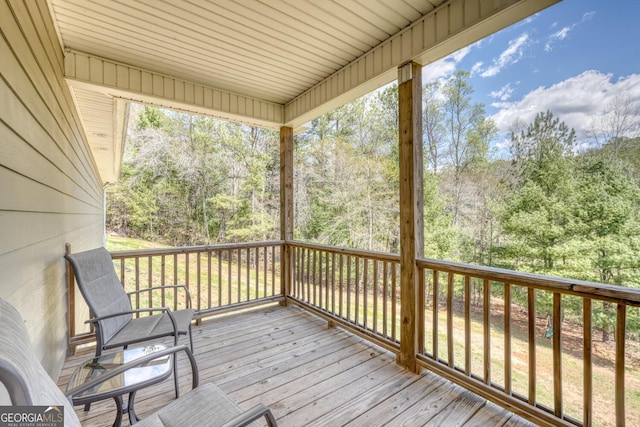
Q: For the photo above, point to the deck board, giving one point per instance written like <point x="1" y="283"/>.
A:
<point x="308" y="374"/>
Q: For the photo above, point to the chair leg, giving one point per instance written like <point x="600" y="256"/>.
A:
<point x="87" y="406"/>
<point x="191" y="338"/>
<point x="175" y="374"/>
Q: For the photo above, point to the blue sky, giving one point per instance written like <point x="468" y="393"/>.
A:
<point x="573" y="58"/>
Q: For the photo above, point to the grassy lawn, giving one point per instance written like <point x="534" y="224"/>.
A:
<point x="229" y="282"/>
<point x="119" y="243"/>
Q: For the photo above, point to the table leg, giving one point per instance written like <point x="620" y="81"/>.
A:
<point x="119" y="407"/>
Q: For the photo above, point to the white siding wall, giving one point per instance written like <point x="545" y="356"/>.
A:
<point x="50" y="191"/>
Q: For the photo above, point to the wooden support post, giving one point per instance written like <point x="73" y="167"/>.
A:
<point x="411" y="209"/>
<point x="286" y="207"/>
<point x="71" y="299"/>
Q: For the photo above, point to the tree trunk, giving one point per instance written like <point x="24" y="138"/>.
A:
<point x="205" y="219"/>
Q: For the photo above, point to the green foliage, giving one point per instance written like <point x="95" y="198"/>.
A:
<point x="150" y="117"/>
<point x="538" y="215"/>
<point x="439" y="237"/>
<point x="542" y="153"/>
<point x="570" y="216"/>
<point x="346" y="183"/>
<point x="191" y="180"/>
<point x="548" y="209"/>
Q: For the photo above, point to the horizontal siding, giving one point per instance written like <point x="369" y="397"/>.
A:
<point x="50" y="191"/>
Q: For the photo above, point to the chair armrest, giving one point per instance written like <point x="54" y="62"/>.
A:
<point x="189" y="304"/>
<point x="137" y="362"/>
<point x="14" y="382"/>
<point x="143" y="310"/>
<point x="251" y="415"/>
<point x="122" y="313"/>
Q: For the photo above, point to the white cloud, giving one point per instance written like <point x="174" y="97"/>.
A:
<point x="556" y="37"/>
<point x="445" y="67"/>
<point x="562" y="34"/>
<point x="564" y="31"/>
<point x="476" y="67"/>
<point x="438" y="70"/>
<point x="511" y="55"/>
<point x="578" y="101"/>
<point x="503" y="94"/>
<point x="502" y="146"/>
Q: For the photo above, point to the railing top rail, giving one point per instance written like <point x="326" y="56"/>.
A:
<point x="613" y="293"/>
<point x="382" y="256"/>
<point x="602" y="291"/>
<point x="192" y="249"/>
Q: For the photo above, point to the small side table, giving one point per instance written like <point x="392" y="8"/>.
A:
<point x="129" y="382"/>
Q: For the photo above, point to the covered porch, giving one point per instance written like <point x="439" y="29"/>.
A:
<point x="69" y="70"/>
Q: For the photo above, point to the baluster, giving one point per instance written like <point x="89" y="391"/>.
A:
<point x="507" y="338"/>
<point x="486" y="323"/>
<point x="467" y="325"/>
<point x="621" y="324"/>
<point x="209" y="278"/>
<point x="531" y="307"/>
<point x="434" y="325"/>
<point x="557" y="354"/>
<point x="587" y="362"/>
<point x="163" y="280"/>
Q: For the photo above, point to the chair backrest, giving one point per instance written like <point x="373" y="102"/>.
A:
<point x="101" y="289"/>
<point x="20" y="370"/>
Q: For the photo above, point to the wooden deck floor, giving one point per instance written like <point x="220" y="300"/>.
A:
<point x="309" y="374"/>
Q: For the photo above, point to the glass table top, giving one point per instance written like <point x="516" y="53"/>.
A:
<point x="134" y="378"/>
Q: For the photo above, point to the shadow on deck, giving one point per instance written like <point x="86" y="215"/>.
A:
<point x="308" y="374"/>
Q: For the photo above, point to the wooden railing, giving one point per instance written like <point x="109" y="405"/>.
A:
<point x="484" y="330"/>
<point x="219" y="278"/>
<point x="504" y="335"/>
<point x="498" y="333"/>
<point x="359" y="290"/>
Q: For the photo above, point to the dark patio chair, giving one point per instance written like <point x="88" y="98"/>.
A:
<point x="28" y="384"/>
<point x="114" y="320"/>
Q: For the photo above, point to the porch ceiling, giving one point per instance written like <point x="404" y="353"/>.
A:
<point x="272" y="49"/>
<point x="265" y="62"/>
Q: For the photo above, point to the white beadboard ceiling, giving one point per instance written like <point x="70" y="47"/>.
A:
<point x="262" y="62"/>
<point x="268" y="49"/>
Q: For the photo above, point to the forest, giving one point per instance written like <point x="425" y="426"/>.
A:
<point x="556" y="203"/>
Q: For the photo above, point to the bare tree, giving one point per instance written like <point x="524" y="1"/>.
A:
<point x="433" y="128"/>
<point x="468" y="133"/>
<point x="619" y="122"/>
